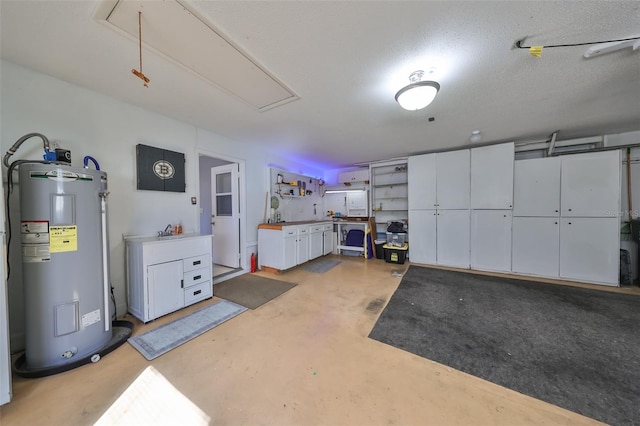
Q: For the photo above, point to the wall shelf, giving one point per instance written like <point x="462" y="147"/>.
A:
<point x="389" y="195"/>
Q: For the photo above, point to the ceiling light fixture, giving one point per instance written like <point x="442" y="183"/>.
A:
<point x="417" y="94"/>
<point x="475" y="136"/>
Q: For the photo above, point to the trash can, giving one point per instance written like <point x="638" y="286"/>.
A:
<point x="380" y="248"/>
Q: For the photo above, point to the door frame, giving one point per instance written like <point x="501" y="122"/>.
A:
<point x="242" y="200"/>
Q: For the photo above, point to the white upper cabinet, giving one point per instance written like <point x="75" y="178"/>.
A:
<point x="492" y="176"/>
<point x="453" y="179"/>
<point x="537" y="187"/>
<point x="354" y="176"/>
<point x="590" y="185"/>
<point x="422" y="182"/>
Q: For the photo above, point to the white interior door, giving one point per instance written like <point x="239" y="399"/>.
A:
<point x="225" y="215"/>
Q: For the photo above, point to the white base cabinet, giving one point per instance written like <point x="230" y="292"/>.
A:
<point x="452" y="238"/>
<point x="167" y="274"/>
<point x="290" y="245"/>
<point x="327" y="238"/>
<point x="491" y="240"/>
<point x="316" y="241"/>
<point x="422" y="234"/>
<point x="535" y="246"/>
<point x="590" y="249"/>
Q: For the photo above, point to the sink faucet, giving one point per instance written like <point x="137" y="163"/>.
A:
<point x="167" y="231"/>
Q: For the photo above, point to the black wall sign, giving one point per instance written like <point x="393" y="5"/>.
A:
<point x="160" y="169"/>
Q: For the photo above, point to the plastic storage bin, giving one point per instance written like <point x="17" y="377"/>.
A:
<point x="396" y="239"/>
<point x="395" y="254"/>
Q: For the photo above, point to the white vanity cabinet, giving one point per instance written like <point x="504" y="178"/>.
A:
<point x="167" y="274"/>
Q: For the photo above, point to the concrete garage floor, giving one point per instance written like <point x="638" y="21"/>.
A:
<point x="301" y="359"/>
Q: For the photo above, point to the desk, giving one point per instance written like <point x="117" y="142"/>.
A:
<point x="350" y="223"/>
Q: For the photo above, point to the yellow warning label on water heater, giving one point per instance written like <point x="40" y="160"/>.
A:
<point x="63" y="238"/>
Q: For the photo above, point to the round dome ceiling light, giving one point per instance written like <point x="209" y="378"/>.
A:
<point x="417" y="94"/>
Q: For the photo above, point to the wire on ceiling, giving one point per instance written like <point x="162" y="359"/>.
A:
<point x="537" y="50"/>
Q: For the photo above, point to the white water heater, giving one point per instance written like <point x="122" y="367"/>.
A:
<point x="64" y="263"/>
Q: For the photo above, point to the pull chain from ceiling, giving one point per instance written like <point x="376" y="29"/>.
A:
<point x="137" y="73"/>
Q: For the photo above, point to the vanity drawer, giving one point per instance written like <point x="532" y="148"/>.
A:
<point x="196" y="262"/>
<point x="196" y="277"/>
<point x="197" y="293"/>
<point x="316" y="228"/>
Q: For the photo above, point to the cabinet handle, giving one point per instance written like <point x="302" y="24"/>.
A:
<point x="556" y="211"/>
<point x="195" y="293"/>
<point x="197" y="277"/>
<point x="181" y="283"/>
<point x="569" y="209"/>
<point x="556" y="223"/>
<point x="197" y="262"/>
<point x="569" y="223"/>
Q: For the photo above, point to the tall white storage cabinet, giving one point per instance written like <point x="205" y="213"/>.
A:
<point x="568" y="204"/>
<point x="439" y="220"/>
<point x="491" y="207"/>
<point x="536" y="221"/>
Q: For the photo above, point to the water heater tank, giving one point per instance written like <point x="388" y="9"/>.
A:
<point x="64" y="263"/>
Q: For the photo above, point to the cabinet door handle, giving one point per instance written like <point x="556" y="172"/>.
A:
<point x="181" y="283"/>
<point x="195" y="293"/>
<point x="197" y="262"/>
<point x="197" y="277"/>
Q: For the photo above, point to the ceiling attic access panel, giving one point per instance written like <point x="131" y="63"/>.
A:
<point x="172" y="30"/>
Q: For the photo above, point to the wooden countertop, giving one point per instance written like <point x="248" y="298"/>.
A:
<point x="278" y="226"/>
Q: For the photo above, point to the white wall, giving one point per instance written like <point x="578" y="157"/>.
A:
<point x="89" y="123"/>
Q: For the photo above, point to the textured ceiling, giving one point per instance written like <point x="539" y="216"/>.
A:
<point x="347" y="59"/>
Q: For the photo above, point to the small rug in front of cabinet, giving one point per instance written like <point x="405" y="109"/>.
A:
<point x="161" y="340"/>
<point x="251" y="290"/>
<point x="321" y="266"/>
<point x="577" y="348"/>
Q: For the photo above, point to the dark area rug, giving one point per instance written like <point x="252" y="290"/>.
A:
<point x="573" y="347"/>
<point x="251" y="290"/>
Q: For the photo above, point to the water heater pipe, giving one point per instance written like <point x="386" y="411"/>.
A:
<point x="105" y="261"/>
<point x="19" y="142"/>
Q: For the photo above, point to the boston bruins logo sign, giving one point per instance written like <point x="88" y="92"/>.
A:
<point x="160" y="169"/>
<point x="164" y="169"/>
